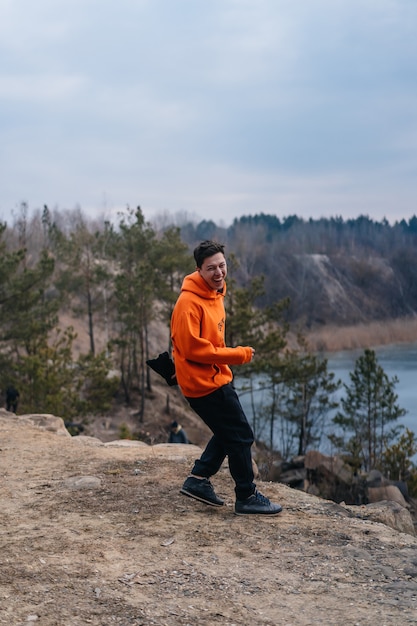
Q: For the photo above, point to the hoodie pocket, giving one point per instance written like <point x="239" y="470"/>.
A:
<point x="217" y="371"/>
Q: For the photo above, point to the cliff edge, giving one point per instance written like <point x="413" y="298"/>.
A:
<point x="98" y="533"/>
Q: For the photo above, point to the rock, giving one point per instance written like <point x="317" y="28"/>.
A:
<point x="375" y="478"/>
<point x="328" y="465"/>
<point x="386" y="492"/>
<point x="294" y="478"/>
<point x="386" y="512"/>
<point x="330" y="477"/>
<point x="48" y="422"/>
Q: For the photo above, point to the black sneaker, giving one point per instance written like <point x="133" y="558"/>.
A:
<point x="201" y="489"/>
<point x="257" y="504"/>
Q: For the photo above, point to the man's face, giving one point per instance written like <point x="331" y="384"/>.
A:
<point x="214" y="271"/>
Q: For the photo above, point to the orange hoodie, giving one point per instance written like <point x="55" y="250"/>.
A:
<point x="197" y="329"/>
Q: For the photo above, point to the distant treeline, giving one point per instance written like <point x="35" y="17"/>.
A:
<point x="333" y="270"/>
<point x="117" y="279"/>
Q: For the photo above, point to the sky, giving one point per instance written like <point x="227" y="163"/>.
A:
<point x="209" y="109"/>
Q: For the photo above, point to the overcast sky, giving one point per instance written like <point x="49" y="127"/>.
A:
<point x="215" y="108"/>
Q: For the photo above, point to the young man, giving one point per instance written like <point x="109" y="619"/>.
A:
<point x="202" y="369"/>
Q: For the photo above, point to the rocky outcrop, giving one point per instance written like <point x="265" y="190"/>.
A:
<point x="45" y="421"/>
<point x="100" y="534"/>
<point x="369" y="496"/>
<point x="386" y="512"/>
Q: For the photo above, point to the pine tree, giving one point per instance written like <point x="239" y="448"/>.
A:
<point x="308" y="395"/>
<point x="370" y="405"/>
<point x="83" y="271"/>
<point x="171" y="262"/>
<point x="134" y="251"/>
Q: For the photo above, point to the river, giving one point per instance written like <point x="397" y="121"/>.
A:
<point x="398" y="360"/>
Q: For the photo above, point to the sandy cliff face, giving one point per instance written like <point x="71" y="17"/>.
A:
<point x="339" y="289"/>
<point x="95" y="533"/>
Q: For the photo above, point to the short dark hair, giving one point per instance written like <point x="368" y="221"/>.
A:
<point x="205" y="249"/>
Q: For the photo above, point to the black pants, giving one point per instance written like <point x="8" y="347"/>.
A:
<point x="232" y="437"/>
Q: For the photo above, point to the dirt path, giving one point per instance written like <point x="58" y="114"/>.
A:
<point x="128" y="549"/>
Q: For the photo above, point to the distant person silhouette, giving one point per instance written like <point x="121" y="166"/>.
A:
<point x="177" y="434"/>
<point x="12" y="398"/>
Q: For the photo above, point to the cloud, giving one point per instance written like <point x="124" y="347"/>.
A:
<point x="37" y="89"/>
<point x="220" y="106"/>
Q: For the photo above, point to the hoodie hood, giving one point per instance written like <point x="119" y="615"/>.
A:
<point x="197" y="285"/>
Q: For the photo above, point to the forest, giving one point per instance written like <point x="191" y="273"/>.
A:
<point x="333" y="271"/>
<point x="120" y="278"/>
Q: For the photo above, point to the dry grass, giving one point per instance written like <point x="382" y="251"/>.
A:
<point x="333" y="338"/>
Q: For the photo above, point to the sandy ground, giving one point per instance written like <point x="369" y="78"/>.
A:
<point x="99" y="534"/>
